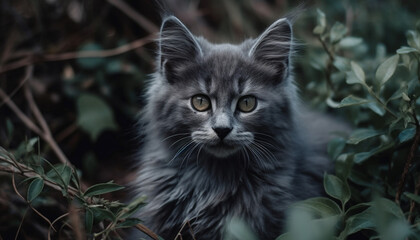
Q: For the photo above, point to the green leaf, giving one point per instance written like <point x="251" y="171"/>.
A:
<point x="284" y="236"/>
<point x="360" y="221"/>
<point x="405" y="50"/>
<point x="30" y="145"/>
<point x="414" y="197"/>
<point x="102" y="188"/>
<point x="344" y="165"/>
<point x="321" y="23"/>
<point x="133" y="207"/>
<point x="237" y="229"/>
<point x="387" y="69"/>
<point x="358" y="71"/>
<point x="94" y="115"/>
<point x="362" y="134"/>
<point x="100" y="214"/>
<point x="90" y="63"/>
<point x="413" y="39"/>
<point x="89" y="220"/>
<point x="336" y="188"/>
<point x="406" y="135"/>
<point x="35" y="188"/>
<point x="376" y="108"/>
<point x="127" y="223"/>
<point x="388" y="206"/>
<point x="320" y="206"/>
<point x="10" y="129"/>
<point x="335" y="147"/>
<point x="352" y="101"/>
<point x="337" y="32"/>
<point x="342" y="64"/>
<point x="349" y="42"/>
<point x="363" y="156"/>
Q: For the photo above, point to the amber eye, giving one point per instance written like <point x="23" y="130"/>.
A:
<point x="247" y="103"/>
<point x="200" y="102"/>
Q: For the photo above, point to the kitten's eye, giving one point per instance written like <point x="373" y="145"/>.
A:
<point x="247" y="103"/>
<point x="200" y="102"/>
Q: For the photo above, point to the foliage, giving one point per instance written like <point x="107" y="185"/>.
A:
<point x="377" y="160"/>
<point x="101" y="217"/>
<point x="74" y="71"/>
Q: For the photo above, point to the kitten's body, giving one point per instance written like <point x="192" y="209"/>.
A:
<point x="190" y="173"/>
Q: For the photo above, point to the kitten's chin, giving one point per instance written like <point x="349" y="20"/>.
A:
<point x="221" y="150"/>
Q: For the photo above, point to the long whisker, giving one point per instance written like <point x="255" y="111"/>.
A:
<point x="198" y="154"/>
<point x="174" y="135"/>
<point x="177" y="141"/>
<point x="265" y="151"/>
<point x="190" y="151"/>
<point x="181" y="150"/>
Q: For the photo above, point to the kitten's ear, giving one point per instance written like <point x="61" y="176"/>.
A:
<point x="176" y="45"/>
<point x="274" y="45"/>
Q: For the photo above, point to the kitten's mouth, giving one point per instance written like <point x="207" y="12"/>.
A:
<point x="221" y="149"/>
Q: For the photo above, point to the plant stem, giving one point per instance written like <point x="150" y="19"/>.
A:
<point x="409" y="160"/>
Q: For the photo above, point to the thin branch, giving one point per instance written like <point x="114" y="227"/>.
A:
<point x="20" y="224"/>
<point x="410" y="218"/>
<point x="28" y="74"/>
<point x="35" y="110"/>
<point x="35" y="59"/>
<point x="147" y="231"/>
<point x="60" y="217"/>
<point x="45" y="133"/>
<point x="28" y="122"/>
<point x="137" y="17"/>
<point x="409" y="160"/>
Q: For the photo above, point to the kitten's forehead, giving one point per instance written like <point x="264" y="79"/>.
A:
<point x="225" y="63"/>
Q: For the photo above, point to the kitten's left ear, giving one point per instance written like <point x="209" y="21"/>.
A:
<point x="274" y="45"/>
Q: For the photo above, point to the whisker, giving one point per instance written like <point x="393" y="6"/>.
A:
<point x="198" y="154"/>
<point x="177" y="141"/>
<point x="181" y="150"/>
<point x="174" y="135"/>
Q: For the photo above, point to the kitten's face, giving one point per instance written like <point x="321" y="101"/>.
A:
<point x="221" y="96"/>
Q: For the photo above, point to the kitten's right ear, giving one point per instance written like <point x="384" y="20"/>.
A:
<point x="176" y="45"/>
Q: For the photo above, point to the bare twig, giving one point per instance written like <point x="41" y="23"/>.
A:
<point x="47" y="136"/>
<point x="56" y="220"/>
<point x="34" y="59"/>
<point x="45" y="133"/>
<point x="410" y="218"/>
<point x="147" y="231"/>
<point x="28" y="74"/>
<point x="409" y="160"/>
<point x="137" y="17"/>
<point x="191" y="230"/>
<point x="28" y="122"/>
<point x="20" y="224"/>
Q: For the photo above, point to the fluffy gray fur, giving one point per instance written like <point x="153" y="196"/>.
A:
<point x="272" y="157"/>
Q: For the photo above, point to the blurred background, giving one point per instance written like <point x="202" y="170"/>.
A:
<point x="85" y="65"/>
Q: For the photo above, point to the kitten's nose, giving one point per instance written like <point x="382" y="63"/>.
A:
<point x="222" y="132"/>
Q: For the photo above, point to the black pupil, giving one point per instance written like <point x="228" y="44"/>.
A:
<point x="246" y="101"/>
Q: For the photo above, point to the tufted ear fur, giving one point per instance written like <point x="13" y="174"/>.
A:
<point x="176" y="46"/>
<point x="274" y="46"/>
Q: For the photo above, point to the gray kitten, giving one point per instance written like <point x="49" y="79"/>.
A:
<point x="224" y="135"/>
